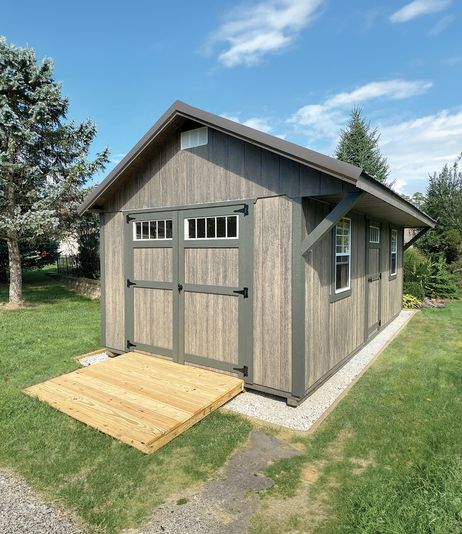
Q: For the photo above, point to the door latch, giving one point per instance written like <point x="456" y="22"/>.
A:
<point x="244" y="292"/>
<point x="244" y="370"/>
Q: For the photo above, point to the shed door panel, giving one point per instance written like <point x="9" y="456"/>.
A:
<point x="153" y="317"/>
<point x="373" y="280"/>
<point x="215" y="298"/>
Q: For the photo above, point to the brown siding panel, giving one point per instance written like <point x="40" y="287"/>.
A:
<point x="272" y="293"/>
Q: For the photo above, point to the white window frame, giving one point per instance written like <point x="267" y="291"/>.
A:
<point x="375" y="241"/>
<point x="186" y="228"/>
<point x="394" y="232"/>
<point x="337" y="254"/>
<point x="194" y="138"/>
<point x="157" y="221"/>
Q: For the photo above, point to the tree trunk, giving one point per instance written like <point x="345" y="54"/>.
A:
<point x="14" y="260"/>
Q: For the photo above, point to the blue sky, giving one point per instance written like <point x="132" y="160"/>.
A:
<point x="293" y="68"/>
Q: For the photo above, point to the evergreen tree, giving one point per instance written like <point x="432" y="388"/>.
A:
<point x="358" y="145"/>
<point x="44" y="161"/>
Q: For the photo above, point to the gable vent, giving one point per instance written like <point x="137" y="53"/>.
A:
<point x="193" y="138"/>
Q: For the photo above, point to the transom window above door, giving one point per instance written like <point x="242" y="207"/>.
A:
<point x="152" y="230"/>
<point x="220" y="227"/>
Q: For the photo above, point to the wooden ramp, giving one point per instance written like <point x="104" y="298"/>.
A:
<point x="141" y="400"/>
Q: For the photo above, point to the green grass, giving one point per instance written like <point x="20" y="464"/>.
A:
<point x="106" y="483"/>
<point x="389" y="458"/>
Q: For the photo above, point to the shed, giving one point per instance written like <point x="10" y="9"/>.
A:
<point x="228" y="248"/>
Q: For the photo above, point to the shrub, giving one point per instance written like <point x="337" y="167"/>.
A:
<point x="415" y="289"/>
<point x="410" y="302"/>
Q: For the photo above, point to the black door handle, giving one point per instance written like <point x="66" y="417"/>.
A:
<point x="180" y="288"/>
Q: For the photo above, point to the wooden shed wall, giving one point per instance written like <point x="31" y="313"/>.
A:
<point x="272" y="343"/>
<point x="114" y="283"/>
<point x="332" y="329"/>
<point x="224" y="169"/>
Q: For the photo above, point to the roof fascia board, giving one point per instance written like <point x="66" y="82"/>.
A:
<point x="378" y="190"/>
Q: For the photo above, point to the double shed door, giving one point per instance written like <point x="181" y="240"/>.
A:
<point x="188" y="278"/>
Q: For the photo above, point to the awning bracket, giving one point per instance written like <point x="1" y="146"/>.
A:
<point x="417" y="236"/>
<point x="340" y="210"/>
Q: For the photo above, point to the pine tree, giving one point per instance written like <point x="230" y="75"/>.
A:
<point x="358" y="145"/>
<point x="44" y="160"/>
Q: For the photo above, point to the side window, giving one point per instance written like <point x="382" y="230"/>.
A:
<point x="393" y="251"/>
<point x="152" y="230"/>
<point x="374" y="234"/>
<point x="342" y="246"/>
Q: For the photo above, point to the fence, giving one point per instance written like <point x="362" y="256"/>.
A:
<point x="72" y="266"/>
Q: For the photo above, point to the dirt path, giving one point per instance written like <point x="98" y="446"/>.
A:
<point x="223" y="506"/>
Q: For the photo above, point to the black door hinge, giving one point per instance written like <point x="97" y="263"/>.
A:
<point x="244" y="370"/>
<point x="129" y="218"/>
<point x="130" y="283"/>
<point x="244" y="210"/>
<point x="244" y="292"/>
<point x="380" y="322"/>
<point x="130" y="344"/>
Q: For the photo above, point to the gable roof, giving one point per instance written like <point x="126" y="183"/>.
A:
<point x="334" y="167"/>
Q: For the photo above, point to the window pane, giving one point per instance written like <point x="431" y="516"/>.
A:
<point x="200" y="228"/>
<point x="211" y="227"/>
<point x="137" y="230"/>
<point x="232" y="226"/>
<point x="342" y="276"/>
<point x="221" y="227"/>
<point x="168" y="228"/>
<point x="152" y="230"/>
<point x="145" y="232"/>
<point x="191" y="228"/>
<point x="160" y="229"/>
<point x="393" y="263"/>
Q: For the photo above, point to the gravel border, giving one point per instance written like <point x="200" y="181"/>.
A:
<point x="275" y="411"/>
<point x="23" y="512"/>
<point x="94" y="358"/>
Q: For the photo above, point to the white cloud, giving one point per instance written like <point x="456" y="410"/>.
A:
<point x="251" y="32"/>
<point x="326" y="119"/>
<point x="441" y="25"/>
<point x="417" y="8"/>
<point x="258" y="123"/>
<point x="418" y="147"/>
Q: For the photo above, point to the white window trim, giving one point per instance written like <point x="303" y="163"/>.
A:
<point x="378" y="233"/>
<point x="395" y="252"/>
<point x="186" y="228"/>
<point x="149" y="223"/>
<point x="347" y="288"/>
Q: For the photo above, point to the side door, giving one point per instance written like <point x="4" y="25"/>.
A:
<point x="215" y="288"/>
<point x="151" y="270"/>
<point x="373" y="276"/>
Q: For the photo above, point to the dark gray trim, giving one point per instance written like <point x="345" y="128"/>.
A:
<point x="102" y="263"/>
<point x="161" y="351"/>
<point x="182" y="207"/>
<point x="210" y="362"/>
<point x="298" y="300"/>
<point x="269" y="391"/>
<point x="331" y="219"/>
<point x="418" y="235"/>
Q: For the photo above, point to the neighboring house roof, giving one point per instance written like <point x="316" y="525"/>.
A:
<point x="334" y="167"/>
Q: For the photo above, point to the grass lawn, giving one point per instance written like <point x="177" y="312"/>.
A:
<point x="389" y="457"/>
<point x="108" y="484"/>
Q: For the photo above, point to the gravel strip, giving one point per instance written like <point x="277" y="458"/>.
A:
<point x="21" y="511"/>
<point x="276" y="411"/>
<point x="94" y="358"/>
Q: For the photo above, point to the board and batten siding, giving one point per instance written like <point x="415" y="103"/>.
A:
<point x="272" y="343"/>
<point x="114" y="282"/>
<point x="225" y="169"/>
<point x="333" y="330"/>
